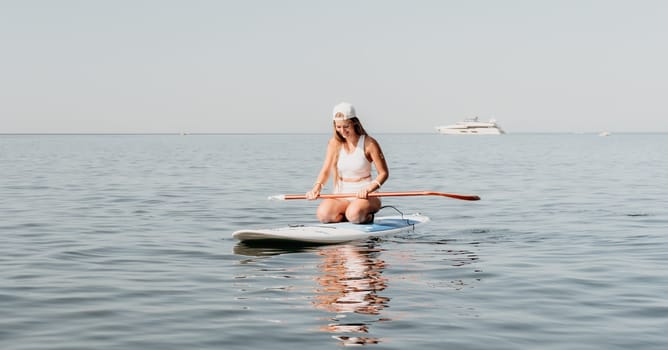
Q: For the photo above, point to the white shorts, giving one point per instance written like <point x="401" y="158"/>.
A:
<point x="351" y="187"/>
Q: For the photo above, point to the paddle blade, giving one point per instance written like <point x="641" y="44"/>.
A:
<point x="278" y="197"/>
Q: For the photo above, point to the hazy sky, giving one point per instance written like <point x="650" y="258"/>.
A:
<point x="280" y="66"/>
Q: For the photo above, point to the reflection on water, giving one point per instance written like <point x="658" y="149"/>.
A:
<point x="349" y="282"/>
<point x="269" y="249"/>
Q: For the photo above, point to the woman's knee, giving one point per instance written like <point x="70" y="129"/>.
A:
<point x="329" y="212"/>
<point x="358" y="215"/>
<point x="361" y="218"/>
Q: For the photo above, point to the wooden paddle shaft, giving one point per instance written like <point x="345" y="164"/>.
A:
<point x="383" y="194"/>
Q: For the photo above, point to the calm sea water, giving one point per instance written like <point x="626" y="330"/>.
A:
<point x="123" y="242"/>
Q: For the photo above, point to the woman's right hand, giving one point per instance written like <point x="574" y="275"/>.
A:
<point x="314" y="193"/>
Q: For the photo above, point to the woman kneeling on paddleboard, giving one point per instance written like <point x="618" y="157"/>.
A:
<point x="350" y="153"/>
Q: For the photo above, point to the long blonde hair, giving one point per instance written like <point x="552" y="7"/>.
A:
<point x="359" y="130"/>
<point x="357" y="126"/>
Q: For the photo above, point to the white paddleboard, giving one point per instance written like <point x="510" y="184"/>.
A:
<point x="335" y="233"/>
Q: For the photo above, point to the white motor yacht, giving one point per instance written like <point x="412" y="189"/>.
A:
<point x="471" y="126"/>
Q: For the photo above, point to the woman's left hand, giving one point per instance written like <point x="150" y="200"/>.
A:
<point x="363" y="194"/>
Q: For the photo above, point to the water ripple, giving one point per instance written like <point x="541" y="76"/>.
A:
<point x="123" y="242"/>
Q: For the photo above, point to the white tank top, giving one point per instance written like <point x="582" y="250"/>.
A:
<point x="354" y="165"/>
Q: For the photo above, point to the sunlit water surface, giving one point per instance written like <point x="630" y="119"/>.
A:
<point x="124" y="242"/>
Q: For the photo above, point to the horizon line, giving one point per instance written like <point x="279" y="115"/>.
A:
<point x="309" y="133"/>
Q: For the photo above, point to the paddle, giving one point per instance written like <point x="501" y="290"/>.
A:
<point x="380" y="194"/>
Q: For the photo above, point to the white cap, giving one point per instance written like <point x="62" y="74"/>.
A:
<point x="344" y="111"/>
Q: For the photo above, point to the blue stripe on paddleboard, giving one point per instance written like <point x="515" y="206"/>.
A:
<point x="382" y="225"/>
